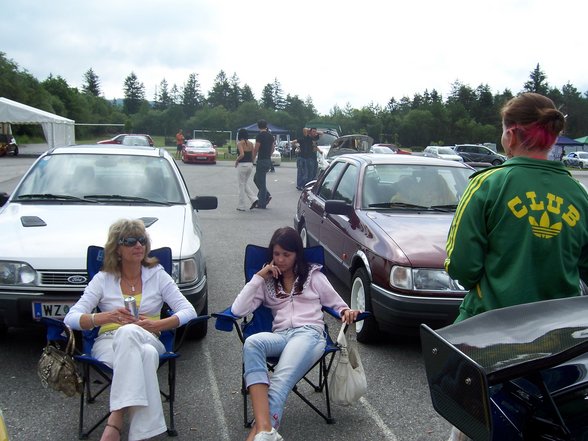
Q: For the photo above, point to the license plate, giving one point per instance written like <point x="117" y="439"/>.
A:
<point x="201" y="158"/>
<point x="56" y="310"/>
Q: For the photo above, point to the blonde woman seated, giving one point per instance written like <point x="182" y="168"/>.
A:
<point x="130" y="346"/>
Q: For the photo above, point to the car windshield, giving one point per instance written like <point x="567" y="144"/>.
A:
<point x="101" y="178"/>
<point x="135" y="140"/>
<point x="199" y="144"/>
<point x="404" y="186"/>
<point x="446" y="151"/>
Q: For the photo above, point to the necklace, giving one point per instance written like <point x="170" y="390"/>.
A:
<point x="132" y="284"/>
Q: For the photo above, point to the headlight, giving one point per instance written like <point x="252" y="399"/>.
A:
<point x="422" y="279"/>
<point x="17" y="273"/>
<point x="186" y="271"/>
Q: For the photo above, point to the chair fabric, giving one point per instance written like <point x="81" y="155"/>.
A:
<point x="96" y="375"/>
<point x="261" y="321"/>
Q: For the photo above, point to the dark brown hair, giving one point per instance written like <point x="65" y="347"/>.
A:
<point x="536" y="121"/>
<point x="289" y="239"/>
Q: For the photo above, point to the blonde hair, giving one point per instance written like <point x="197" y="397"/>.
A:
<point x="119" y="230"/>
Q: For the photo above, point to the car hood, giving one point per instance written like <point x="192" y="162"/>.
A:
<point x="420" y="236"/>
<point x="62" y="243"/>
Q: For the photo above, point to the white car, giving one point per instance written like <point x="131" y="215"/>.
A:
<point x="581" y="157"/>
<point x="276" y="156"/>
<point x="66" y="202"/>
<point x="442" y="152"/>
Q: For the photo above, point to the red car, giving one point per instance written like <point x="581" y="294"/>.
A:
<point x="119" y="139"/>
<point x="383" y="222"/>
<point x="199" y="150"/>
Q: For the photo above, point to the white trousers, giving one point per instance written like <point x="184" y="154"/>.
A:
<point x="133" y="354"/>
<point x="244" y="170"/>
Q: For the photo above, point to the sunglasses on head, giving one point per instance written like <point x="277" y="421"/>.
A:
<point x="132" y="241"/>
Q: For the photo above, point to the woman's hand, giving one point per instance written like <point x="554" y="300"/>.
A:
<point x="349" y="316"/>
<point x="149" y="325"/>
<point x="269" y="270"/>
<point x="120" y="316"/>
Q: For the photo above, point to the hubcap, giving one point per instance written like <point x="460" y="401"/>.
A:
<point x="358" y="300"/>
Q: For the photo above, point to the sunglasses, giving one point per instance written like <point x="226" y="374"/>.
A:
<point x="132" y="241"/>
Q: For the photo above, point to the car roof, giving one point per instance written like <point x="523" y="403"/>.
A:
<point x="381" y="158"/>
<point x="109" y="149"/>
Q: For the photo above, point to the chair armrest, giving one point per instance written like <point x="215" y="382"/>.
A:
<point x="225" y="320"/>
<point x="361" y="316"/>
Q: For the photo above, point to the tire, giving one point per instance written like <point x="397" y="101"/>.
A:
<point x="15" y="153"/>
<point x="496" y="162"/>
<point x="367" y="330"/>
<point x="304" y="236"/>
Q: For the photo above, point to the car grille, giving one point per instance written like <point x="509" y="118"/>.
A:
<point x="66" y="279"/>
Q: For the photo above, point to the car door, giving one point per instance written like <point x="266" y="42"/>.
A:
<point x="314" y="204"/>
<point x="335" y="230"/>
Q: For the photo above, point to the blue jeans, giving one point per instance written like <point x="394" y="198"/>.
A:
<point x="310" y="169"/>
<point x="298" y="350"/>
<point x="261" y="169"/>
<point x="300" y="172"/>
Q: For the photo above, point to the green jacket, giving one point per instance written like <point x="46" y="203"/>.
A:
<point x="519" y="235"/>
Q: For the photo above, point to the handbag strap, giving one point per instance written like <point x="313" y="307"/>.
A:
<point x="341" y="339"/>
<point x="71" y="342"/>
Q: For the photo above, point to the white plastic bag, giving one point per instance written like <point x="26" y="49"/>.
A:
<point x="347" y="382"/>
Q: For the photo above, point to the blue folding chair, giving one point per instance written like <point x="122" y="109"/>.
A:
<point x="57" y="332"/>
<point x="261" y="321"/>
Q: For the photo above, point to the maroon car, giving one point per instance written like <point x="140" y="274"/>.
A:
<point x="383" y="222"/>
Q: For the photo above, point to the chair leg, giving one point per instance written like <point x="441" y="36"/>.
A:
<point x="246" y="422"/>
<point x="171" y="431"/>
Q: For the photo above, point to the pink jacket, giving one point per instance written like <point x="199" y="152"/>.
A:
<point x="294" y="310"/>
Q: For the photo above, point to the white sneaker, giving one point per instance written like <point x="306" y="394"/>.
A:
<point x="268" y="436"/>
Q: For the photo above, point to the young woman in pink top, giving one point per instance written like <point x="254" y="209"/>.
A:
<point x="295" y="291"/>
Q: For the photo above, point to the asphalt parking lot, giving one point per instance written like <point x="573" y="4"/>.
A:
<point x="209" y="407"/>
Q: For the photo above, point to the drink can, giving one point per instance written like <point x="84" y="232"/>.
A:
<point x="131" y="306"/>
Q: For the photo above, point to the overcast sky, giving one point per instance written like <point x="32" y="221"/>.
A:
<point x="337" y="52"/>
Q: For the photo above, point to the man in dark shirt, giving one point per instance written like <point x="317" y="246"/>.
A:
<point x="264" y="147"/>
<point x="308" y="162"/>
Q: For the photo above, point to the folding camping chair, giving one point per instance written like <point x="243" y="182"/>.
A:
<point x="261" y="321"/>
<point x="92" y="367"/>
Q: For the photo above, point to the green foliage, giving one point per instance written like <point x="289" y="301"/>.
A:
<point x="466" y="115"/>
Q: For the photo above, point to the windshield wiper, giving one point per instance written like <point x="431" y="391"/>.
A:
<point x="448" y="207"/>
<point x="396" y="205"/>
<point x="50" y="196"/>
<point x="118" y="197"/>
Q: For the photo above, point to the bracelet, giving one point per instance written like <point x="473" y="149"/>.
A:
<point x="92" y="318"/>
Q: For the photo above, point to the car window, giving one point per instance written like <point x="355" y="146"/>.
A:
<point x="413" y="184"/>
<point x="346" y="189"/>
<point x="82" y="175"/>
<point x="327" y="186"/>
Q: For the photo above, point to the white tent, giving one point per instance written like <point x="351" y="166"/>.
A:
<point x="58" y="131"/>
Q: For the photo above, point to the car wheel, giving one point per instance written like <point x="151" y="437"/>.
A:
<point x="496" y="162"/>
<point x="581" y="164"/>
<point x="304" y="236"/>
<point x="367" y="330"/>
<point x="15" y="151"/>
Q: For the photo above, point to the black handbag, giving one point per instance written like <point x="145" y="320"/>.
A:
<point x="57" y="368"/>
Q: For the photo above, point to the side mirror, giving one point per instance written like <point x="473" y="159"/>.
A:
<point x="338" y="207"/>
<point x="204" y="203"/>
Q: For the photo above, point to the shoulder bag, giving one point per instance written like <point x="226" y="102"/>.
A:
<point x="57" y="368"/>
<point x="347" y="383"/>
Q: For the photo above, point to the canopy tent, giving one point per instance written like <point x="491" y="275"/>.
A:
<point x="563" y="146"/>
<point x="582" y="140"/>
<point x="252" y="129"/>
<point x="58" y="131"/>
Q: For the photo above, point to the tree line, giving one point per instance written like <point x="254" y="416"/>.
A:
<point x="466" y="115"/>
